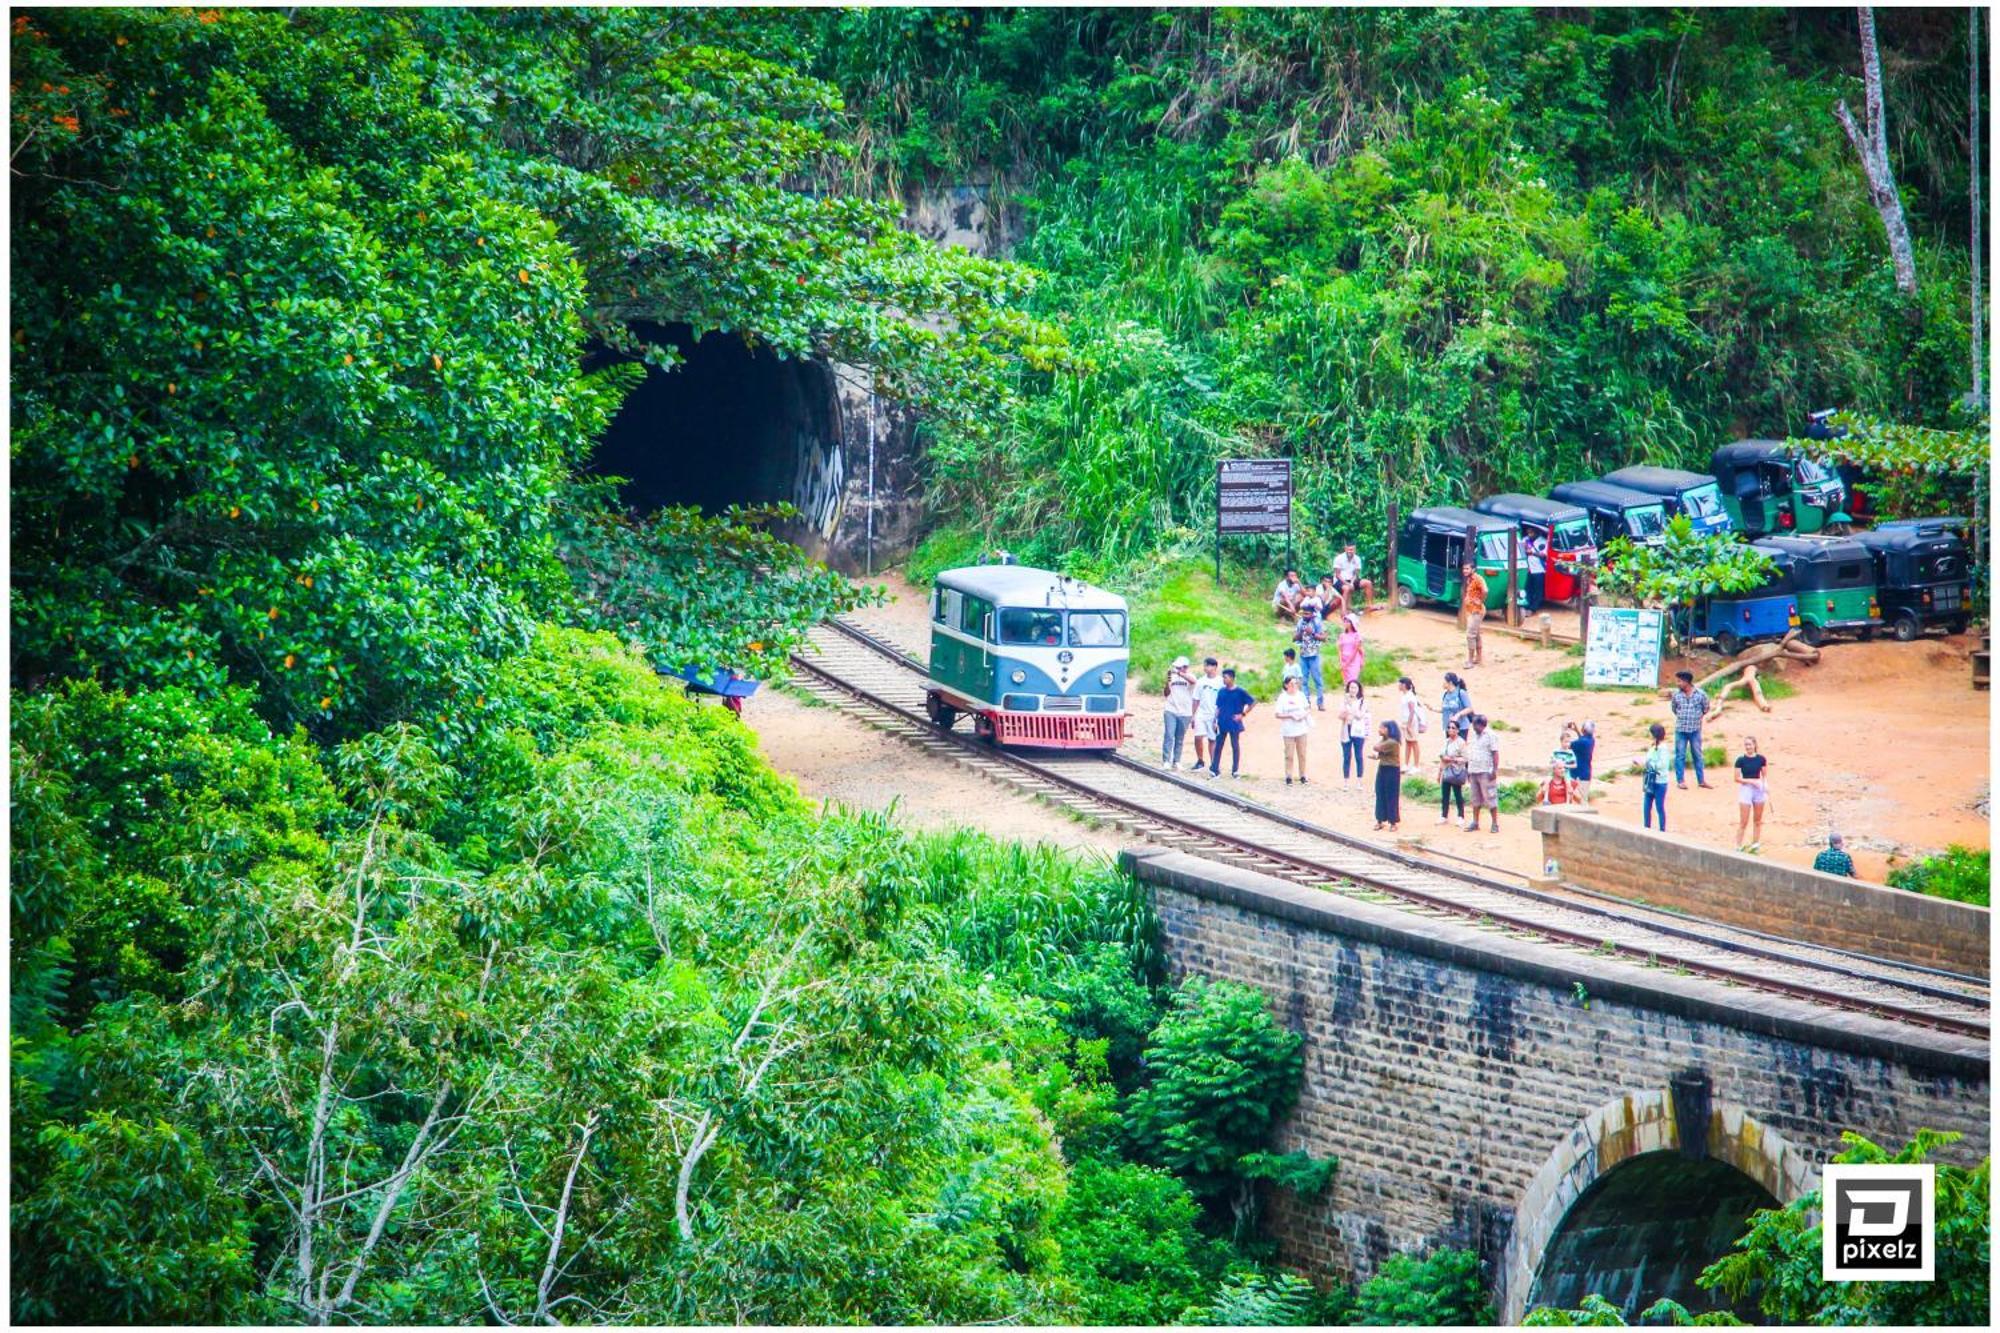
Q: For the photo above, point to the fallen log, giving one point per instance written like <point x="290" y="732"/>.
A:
<point x="1748" y="683"/>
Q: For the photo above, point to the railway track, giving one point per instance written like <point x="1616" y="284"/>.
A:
<point x="865" y="675"/>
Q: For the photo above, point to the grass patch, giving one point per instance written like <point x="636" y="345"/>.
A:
<point x="1715" y="756"/>
<point x="1380" y="669"/>
<point x="1518" y="796"/>
<point x="1571" y="678"/>
<point x="1776" y="688"/>
<point x="1499" y="724"/>
<point x="1962" y="874"/>
<point x="945" y="548"/>
<point x="1419" y="788"/>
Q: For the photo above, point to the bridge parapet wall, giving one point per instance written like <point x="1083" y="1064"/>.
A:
<point x="1450" y="1067"/>
<point x="1641" y="866"/>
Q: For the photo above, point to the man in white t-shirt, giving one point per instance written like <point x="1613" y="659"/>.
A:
<point x="1206" y="686"/>
<point x="1288" y="596"/>
<point x="1179" y="712"/>
<point x="1347" y="577"/>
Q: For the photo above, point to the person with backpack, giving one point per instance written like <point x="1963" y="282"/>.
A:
<point x="1179" y="712"/>
<point x="1654" y="785"/>
<point x="1452" y="774"/>
<point x="1413" y="720"/>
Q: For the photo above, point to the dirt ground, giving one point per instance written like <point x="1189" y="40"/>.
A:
<point x="1886" y="742"/>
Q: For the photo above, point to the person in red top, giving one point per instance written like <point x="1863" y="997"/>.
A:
<point x="1556" y="791"/>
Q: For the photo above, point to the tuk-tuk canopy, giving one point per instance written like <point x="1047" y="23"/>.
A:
<point x="1951" y="523"/>
<point x="1821" y="562"/>
<point x="1658" y="480"/>
<point x="1603" y="495"/>
<point x="1531" y="509"/>
<point x="1911" y="538"/>
<point x="1451" y="518"/>
<point x="1748" y="453"/>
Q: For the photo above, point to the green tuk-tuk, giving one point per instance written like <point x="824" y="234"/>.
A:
<point x="1431" y="545"/>
<point x="1834" y="580"/>
<point x="1771" y="487"/>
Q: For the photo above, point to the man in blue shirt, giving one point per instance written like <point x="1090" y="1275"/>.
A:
<point x="1834" y="860"/>
<point x="1232" y="708"/>
<point x="1690" y="707"/>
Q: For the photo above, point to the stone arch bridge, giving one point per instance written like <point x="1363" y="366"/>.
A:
<point x="1583" y="1123"/>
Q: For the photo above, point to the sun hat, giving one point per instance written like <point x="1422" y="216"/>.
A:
<point x="1180" y="661"/>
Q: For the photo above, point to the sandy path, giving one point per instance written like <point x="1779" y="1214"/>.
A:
<point x="1886" y="741"/>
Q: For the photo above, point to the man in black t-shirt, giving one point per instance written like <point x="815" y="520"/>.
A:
<point x="1752" y="796"/>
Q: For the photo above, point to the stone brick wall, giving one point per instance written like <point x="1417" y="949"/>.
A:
<point x="1458" y="1074"/>
<point x="1641" y="866"/>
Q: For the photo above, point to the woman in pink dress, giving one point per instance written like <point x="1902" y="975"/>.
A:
<point x="1350" y="652"/>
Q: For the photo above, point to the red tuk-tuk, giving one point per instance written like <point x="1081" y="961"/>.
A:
<point x="1562" y="530"/>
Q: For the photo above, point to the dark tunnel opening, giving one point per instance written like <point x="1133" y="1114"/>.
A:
<point x="731" y="425"/>
<point x="1645" y="1230"/>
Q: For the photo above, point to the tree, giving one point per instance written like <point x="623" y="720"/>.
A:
<point x="1441" y="1288"/>
<point x="1597" y="1312"/>
<point x="1682" y="568"/>
<point x="1778" y="1260"/>
<point x="1871" y="144"/>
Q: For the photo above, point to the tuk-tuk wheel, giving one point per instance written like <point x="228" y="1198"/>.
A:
<point x="1406" y="596"/>
<point x="1728" y="642"/>
<point x="1814" y="635"/>
<point x="1908" y="627"/>
<point x="1865" y="633"/>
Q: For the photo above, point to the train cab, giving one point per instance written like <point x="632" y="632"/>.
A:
<point x="1034" y="658"/>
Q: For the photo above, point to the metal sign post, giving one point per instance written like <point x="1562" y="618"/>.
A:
<point x="1252" y="496"/>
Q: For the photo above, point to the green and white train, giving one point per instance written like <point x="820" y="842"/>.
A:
<point x="1032" y="657"/>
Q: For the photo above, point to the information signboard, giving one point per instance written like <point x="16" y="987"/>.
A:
<point x="1624" y="646"/>
<point x="1253" y="495"/>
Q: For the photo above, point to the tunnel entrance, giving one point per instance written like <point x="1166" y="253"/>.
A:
<point x="1644" y="1230"/>
<point x="732" y="424"/>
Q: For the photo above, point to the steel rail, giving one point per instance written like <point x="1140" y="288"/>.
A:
<point x="1433" y="902"/>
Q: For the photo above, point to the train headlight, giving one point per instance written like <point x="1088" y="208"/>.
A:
<point x="1106" y="678"/>
<point x="1019" y="677"/>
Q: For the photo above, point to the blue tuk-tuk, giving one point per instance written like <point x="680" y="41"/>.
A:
<point x="1731" y="620"/>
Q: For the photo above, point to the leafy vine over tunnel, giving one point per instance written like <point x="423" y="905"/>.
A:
<point x="733" y="424"/>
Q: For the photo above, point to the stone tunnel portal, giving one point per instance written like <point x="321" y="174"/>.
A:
<point x="1645" y="1229"/>
<point x="732" y="424"/>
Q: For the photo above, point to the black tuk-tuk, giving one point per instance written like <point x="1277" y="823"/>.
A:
<point x="1616" y="511"/>
<point x="1922" y="575"/>
<point x="1692" y="493"/>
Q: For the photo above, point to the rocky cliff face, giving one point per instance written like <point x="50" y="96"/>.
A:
<point x="864" y="493"/>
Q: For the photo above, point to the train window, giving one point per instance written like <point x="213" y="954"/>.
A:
<point x="946" y="610"/>
<point x="1025" y="626"/>
<point x="972" y="616"/>
<point x="1097" y="629"/>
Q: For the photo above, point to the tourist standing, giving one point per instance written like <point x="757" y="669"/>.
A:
<point x="1389" y="778"/>
<point x="1410" y="717"/>
<point x="1752" y="796"/>
<point x="1294" y="721"/>
<point x="1584" y="747"/>
<point x="1482" y="769"/>
<point x="1232" y="710"/>
<point x="1472" y="609"/>
<point x="1537" y="550"/>
<point x="1352" y="658"/>
<point x="1654" y="783"/>
<point x="1354" y="730"/>
<point x="1455" y="706"/>
<point x="1451" y="774"/>
<point x="1179" y="712"/>
<point x="1690" y="707"/>
<point x="1291" y="669"/>
<point x="1834" y="860"/>
<point x="1206" y="686"/>
<point x="1310" y="637"/>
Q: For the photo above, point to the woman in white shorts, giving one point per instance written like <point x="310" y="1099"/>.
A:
<point x="1752" y="796"/>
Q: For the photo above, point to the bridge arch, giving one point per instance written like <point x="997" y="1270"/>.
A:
<point x="1644" y="1136"/>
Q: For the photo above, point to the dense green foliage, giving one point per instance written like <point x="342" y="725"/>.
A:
<point x="1441" y="1288"/>
<point x="1963" y="873"/>
<point x="1681" y="569"/>
<point x="1597" y="1312"/>
<point x="1778" y="1260"/>
<point x="1426" y="253"/>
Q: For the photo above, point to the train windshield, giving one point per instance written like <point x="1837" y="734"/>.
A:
<point x="1039" y="627"/>
<point x="1646" y="521"/>
<point x="1097" y="629"/>
<point x="1573" y="534"/>
<point x="1703" y="501"/>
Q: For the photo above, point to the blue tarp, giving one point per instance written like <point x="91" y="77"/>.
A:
<point x="724" y="682"/>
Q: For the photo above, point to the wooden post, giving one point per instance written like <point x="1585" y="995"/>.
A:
<point x="1513" y="576"/>
<point x="1389" y="574"/>
<point x="1585" y="577"/>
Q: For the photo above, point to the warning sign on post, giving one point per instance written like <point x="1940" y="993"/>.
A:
<point x="1253" y="495"/>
